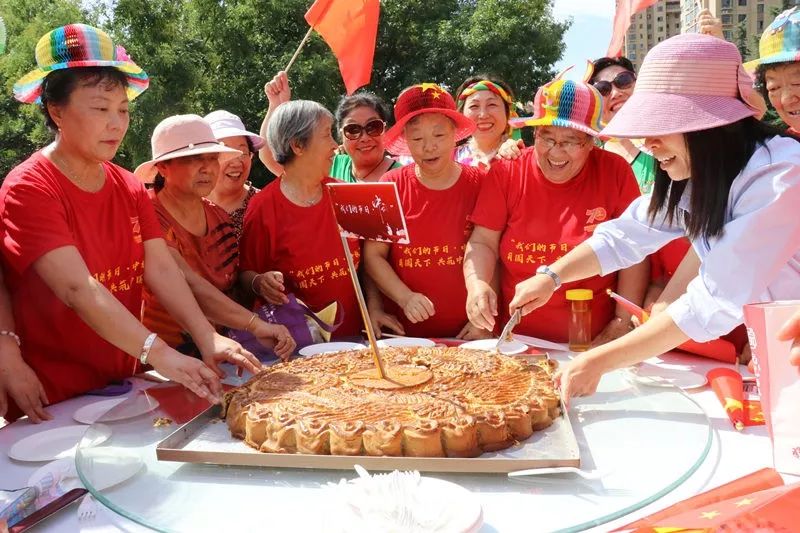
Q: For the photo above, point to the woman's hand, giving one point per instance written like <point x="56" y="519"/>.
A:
<point x="615" y="329"/>
<point x="578" y="377"/>
<point x="228" y="350"/>
<point x="791" y="332"/>
<point x="190" y="372"/>
<point x="532" y="293"/>
<point x="278" y="90"/>
<point x="269" y="286"/>
<point x="381" y="319"/>
<point x="418" y="307"/>
<point x="709" y="25"/>
<point x="481" y="305"/>
<point x="510" y="149"/>
<point x="471" y="332"/>
<point x="19" y="381"/>
<point x="276" y="336"/>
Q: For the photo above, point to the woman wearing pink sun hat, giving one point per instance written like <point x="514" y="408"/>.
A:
<point x="727" y="181"/>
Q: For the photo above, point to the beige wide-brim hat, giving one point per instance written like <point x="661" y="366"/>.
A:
<point x="182" y="136"/>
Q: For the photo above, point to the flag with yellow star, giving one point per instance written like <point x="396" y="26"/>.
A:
<point x="773" y="510"/>
<point x="740" y="488"/>
<point x="727" y="385"/>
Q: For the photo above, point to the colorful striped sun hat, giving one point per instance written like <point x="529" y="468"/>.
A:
<point x="567" y="104"/>
<point x="77" y="45"/>
<point x="780" y="42"/>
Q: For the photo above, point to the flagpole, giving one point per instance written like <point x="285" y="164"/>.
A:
<point x="297" y="52"/>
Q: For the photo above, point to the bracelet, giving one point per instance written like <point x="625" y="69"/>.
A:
<point x="253" y="284"/>
<point x="12" y="335"/>
<point x="148" y="343"/>
<point x="250" y="322"/>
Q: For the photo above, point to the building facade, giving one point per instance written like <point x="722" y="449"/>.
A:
<point x="743" y="22"/>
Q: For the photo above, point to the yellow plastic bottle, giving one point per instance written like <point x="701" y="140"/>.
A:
<point x="580" y="319"/>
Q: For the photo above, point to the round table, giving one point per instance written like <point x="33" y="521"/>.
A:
<point x="655" y="445"/>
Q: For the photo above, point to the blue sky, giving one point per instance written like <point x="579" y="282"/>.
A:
<point x="589" y="34"/>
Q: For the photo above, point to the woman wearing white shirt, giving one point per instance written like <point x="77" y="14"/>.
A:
<point x="728" y="182"/>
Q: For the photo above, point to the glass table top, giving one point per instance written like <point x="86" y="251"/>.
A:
<point x="645" y="441"/>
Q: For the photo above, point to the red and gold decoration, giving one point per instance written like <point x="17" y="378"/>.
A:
<point x="727" y="385"/>
<point x="756" y="502"/>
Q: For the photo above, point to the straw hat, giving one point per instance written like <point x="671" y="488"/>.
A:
<point x="566" y="104"/>
<point x="780" y="42"/>
<point x="689" y="82"/>
<point x="181" y="136"/>
<point x="225" y="124"/>
<point x="419" y="99"/>
<point x="78" y="45"/>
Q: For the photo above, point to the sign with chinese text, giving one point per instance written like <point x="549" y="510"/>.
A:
<point x="369" y="211"/>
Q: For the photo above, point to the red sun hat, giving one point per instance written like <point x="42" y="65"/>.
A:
<point x="419" y="99"/>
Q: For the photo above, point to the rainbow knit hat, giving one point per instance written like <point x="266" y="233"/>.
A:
<point x="780" y="42"/>
<point x="565" y="103"/>
<point x="77" y="45"/>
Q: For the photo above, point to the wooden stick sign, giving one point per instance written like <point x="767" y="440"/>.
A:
<point x="373" y="211"/>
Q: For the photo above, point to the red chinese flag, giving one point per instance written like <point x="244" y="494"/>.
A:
<point x="727" y="385"/>
<point x="350" y="27"/>
<point x="622" y="21"/>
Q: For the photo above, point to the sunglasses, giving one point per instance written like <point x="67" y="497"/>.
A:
<point x="623" y="80"/>
<point x="373" y="128"/>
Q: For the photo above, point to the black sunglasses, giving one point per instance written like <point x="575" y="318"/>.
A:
<point x="373" y="128"/>
<point x="623" y="80"/>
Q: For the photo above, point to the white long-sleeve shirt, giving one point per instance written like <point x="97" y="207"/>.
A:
<point x="757" y="259"/>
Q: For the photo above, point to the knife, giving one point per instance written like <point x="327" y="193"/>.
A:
<point x="505" y="336"/>
<point x="49" y="509"/>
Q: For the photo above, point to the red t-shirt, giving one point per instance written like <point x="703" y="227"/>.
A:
<point x="42" y="210"/>
<point x="438" y="227"/>
<point x="665" y="262"/>
<point x="541" y="221"/>
<point x="214" y="256"/>
<point x="304" y="244"/>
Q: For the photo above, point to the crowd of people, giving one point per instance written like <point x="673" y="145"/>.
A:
<point x="663" y="186"/>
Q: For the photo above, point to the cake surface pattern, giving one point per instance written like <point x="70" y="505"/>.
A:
<point x="475" y="402"/>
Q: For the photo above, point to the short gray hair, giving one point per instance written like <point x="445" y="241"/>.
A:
<point x="293" y="122"/>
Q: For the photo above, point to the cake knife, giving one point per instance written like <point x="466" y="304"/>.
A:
<point x="505" y="336"/>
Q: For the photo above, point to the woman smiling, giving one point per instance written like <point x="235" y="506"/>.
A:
<point x="534" y="209"/>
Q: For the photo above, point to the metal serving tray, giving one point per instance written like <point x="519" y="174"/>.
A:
<point x="206" y="439"/>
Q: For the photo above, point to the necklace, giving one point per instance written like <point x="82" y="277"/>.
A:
<point x="62" y="165"/>
<point x="368" y="174"/>
<point x="286" y="187"/>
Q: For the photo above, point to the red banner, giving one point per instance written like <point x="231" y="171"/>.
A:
<point x="350" y="27"/>
<point x="622" y="21"/>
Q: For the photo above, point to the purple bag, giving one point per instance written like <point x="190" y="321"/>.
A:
<point x="295" y="316"/>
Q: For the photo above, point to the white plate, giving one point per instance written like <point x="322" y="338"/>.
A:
<point x="115" y="409"/>
<point x="57" y="443"/>
<point x="104" y="467"/>
<point x="327" y="347"/>
<point x="435" y="505"/>
<point x="656" y="376"/>
<point x="488" y="345"/>
<point x="404" y="342"/>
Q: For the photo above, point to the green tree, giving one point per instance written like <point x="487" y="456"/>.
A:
<point x="741" y="41"/>
<point x="203" y="55"/>
<point x="22" y="129"/>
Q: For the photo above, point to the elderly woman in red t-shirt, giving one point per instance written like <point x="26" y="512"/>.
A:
<point x="422" y="278"/>
<point x="290" y="240"/>
<point x="534" y="209"/>
<point x="201" y="237"/>
<point x="80" y="241"/>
